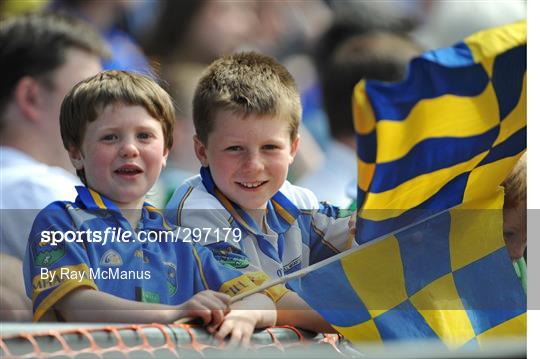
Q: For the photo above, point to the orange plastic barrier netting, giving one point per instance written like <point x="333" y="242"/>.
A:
<point x="164" y="341"/>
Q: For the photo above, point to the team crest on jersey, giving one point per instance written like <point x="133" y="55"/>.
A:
<point x="111" y="258"/>
<point x="293" y="265"/>
<point x="229" y="255"/>
<point x="172" y="282"/>
<point x="45" y="257"/>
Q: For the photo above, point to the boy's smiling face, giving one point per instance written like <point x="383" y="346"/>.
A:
<point x="248" y="156"/>
<point x="122" y="154"/>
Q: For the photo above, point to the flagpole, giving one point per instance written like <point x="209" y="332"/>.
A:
<point x="327" y="261"/>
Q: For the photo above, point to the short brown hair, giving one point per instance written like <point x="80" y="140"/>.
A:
<point x="245" y="83"/>
<point x="88" y="99"/>
<point x="515" y="185"/>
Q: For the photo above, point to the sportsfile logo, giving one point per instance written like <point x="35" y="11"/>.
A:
<point x="120" y="235"/>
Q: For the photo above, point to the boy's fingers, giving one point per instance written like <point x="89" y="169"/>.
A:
<point x="247" y="336"/>
<point x="211" y="328"/>
<point x="235" y="338"/>
<point x="217" y="318"/>
<point x="204" y="314"/>
<point x="223" y="331"/>
<point x="246" y="340"/>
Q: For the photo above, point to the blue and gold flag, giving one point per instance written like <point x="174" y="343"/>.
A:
<point x="442" y="141"/>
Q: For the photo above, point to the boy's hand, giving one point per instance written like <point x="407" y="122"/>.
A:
<point x="239" y="324"/>
<point x="208" y="305"/>
<point x="255" y="311"/>
<point x="352" y="222"/>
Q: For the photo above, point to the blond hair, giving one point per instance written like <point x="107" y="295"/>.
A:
<point x="515" y="185"/>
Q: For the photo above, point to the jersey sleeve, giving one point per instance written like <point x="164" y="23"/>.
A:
<point x="329" y="232"/>
<point x="223" y="278"/>
<point x="175" y="204"/>
<point x="54" y="265"/>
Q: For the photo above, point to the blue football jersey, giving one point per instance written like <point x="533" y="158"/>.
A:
<point x="89" y="243"/>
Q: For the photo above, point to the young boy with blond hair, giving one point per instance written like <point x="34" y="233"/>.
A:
<point x="246" y="111"/>
<point x="93" y="260"/>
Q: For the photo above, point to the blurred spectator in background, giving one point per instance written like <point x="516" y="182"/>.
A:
<point x="352" y="17"/>
<point x="389" y="15"/>
<point x="199" y="31"/>
<point x="372" y="55"/>
<point x="349" y="18"/>
<point x="105" y="17"/>
<point x="214" y="28"/>
<point x="182" y="163"/>
<point x="203" y="30"/>
<point x="447" y="22"/>
<point x="41" y="57"/>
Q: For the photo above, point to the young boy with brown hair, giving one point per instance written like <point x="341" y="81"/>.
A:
<point x="97" y="259"/>
<point x="515" y="217"/>
<point x="246" y="111"/>
<point x="515" y="209"/>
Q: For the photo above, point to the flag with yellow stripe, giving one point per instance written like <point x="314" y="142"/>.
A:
<point x="433" y="150"/>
